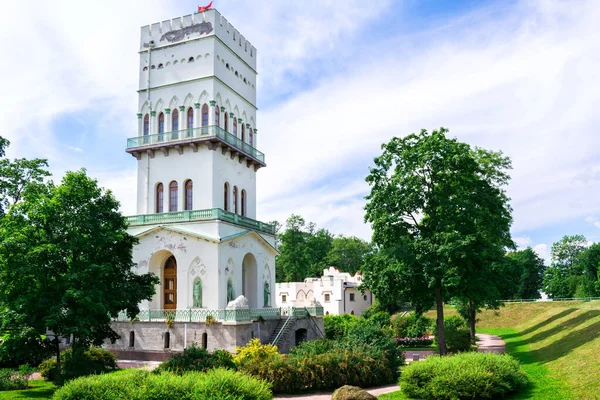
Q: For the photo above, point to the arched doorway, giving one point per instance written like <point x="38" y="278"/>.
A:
<point x="170" y="284"/>
<point x="301" y="336"/>
<point x="249" y="280"/>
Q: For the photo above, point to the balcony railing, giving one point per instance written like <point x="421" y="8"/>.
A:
<point x="237" y="315"/>
<point x="200" y="215"/>
<point x="186" y="135"/>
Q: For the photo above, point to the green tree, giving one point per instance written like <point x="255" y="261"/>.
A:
<point x="347" y="254"/>
<point x="589" y="260"/>
<point x="434" y="203"/>
<point x="527" y="274"/>
<point x="565" y="273"/>
<point x="66" y="262"/>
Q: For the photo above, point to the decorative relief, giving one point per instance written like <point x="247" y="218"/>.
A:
<point x="180" y="34"/>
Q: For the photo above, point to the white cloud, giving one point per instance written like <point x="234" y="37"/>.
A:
<point x="543" y="250"/>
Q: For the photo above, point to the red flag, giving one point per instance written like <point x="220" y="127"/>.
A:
<point x="202" y="9"/>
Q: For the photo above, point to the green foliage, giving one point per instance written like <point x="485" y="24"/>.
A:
<point x="216" y="384"/>
<point x="23" y="347"/>
<point x="411" y="326"/>
<point x="347" y="253"/>
<point x="463" y="376"/>
<point x="458" y="337"/>
<point x="310" y="348"/>
<point x="565" y="273"/>
<point x="337" y="326"/>
<point x="254" y="351"/>
<point x="92" y="361"/>
<point x="381" y="319"/>
<point x="527" y="275"/>
<point x="66" y="262"/>
<point x="196" y="358"/>
<point x="13" y="380"/>
<point x="440" y="217"/>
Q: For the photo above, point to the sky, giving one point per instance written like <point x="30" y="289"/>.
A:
<point x="336" y="80"/>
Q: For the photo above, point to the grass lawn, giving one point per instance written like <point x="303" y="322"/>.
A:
<point x="40" y="390"/>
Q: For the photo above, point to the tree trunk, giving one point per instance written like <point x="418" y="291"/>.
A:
<point x="472" y="314"/>
<point x="441" y="337"/>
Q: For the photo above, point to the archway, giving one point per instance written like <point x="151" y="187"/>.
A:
<point x="170" y="284"/>
<point x="301" y="336"/>
<point x="156" y="265"/>
<point x="249" y="280"/>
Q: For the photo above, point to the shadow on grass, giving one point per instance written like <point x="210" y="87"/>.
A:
<point x="566" y="325"/>
<point x="542" y="323"/>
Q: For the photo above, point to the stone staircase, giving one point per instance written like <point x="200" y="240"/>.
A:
<point x="282" y="326"/>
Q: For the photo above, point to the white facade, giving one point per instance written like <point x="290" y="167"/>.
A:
<point x="202" y="242"/>
<point x="336" y="291"/>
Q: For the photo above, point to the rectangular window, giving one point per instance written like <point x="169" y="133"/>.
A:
<point x="327" y="296"/>
<point x="283" y="298"/>
<point x="351" y="296"/>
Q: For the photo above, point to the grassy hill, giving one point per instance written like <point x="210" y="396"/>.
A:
<point x="558" y="344"/>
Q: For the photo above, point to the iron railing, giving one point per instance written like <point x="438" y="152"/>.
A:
<point x="199" y="215"/>
<point x="205" y="132"/>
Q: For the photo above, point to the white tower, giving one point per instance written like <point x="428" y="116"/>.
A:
<point x="197" y="156"/>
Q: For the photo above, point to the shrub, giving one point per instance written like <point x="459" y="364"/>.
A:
<point x="463" y="376"/>
<point x="337" y="326"/>
<point x="254" y="351"/>
<point x="12" y="380"/>
<point x="92" y="361"/>
<point x="311" y="348"/>
<point x="216" y="384"/>
<point x="366" y="334"/>
<point x="411" y="326"/>
<point x="23" y="347"/>
<point x="414" y="342"/>
<point x="380" y="319"/>
<point x="196" y="358"/>
<point x="49" y="370"/>
<point x="458" y="336"/>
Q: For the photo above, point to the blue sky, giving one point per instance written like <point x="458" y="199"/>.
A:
<point x="336" y="79"/>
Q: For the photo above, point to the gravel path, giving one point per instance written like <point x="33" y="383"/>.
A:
<point x="490" y="344"/>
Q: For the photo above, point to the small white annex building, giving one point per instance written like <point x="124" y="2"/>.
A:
<point x="197" y="160"/>
<point x="336" y="291"/>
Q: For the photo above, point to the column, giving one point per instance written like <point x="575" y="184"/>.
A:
<point x="222" y="118"/>
<point x="168" y="122"/>
<point x="153" y="129"/>
<point x="255" y="138"/>
<point x="196" y="115"/>
<point x="240" y="124"/>
<point x="140" y="124"/>
<point x="231" y="118"/>
<point x="211" y="113"/>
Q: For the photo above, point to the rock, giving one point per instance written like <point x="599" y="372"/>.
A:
<point x="348" y="392"/>
<point x="239" y="302"/>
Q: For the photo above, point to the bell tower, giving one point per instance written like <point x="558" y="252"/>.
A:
<point x="196" y="145"/>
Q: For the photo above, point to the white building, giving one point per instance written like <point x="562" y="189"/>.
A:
<point x="197" y="159"/>
<point x="336" y="291"/>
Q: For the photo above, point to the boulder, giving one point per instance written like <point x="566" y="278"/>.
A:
<point x="348" y="392"/>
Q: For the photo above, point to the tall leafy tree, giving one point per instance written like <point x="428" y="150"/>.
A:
<point x="589" y="260"/>
<point x="348" y="253"/>
<point x="434" y="203"/>
<point x="564" y="275"/>
<point x="66" y="262"/>
<point x="526" y="274"/>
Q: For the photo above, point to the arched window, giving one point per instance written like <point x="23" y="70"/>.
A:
<point x="146" y="130"/>
<point x="167" y="340"/>
<point x="217" y="117"/>
<point x="243" y="203"/>
<point x="234" y="127"/>
<point x="191" y="59"/>
<point x="204" y="340"/>
<point x="204" y="118"/>
<point x="173" y="196"/>
<point x="188" y="194"/>
<point x="243" y="133"/>
<point x="226" y="122"/>
<point x="159" y="198"/>
<point x="235" y="199"/>
<point x="175" y="124"/>
<point x="132" y="339"/>
<point x="161" y="126"/>
<point x="251" y="137"/>
<point x="190" y="121"/>
<point x="226" y="196"/>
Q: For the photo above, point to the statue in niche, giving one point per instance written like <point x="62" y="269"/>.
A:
<point x="230" y="296"/>
<point x="266" y="293"/>
<point x="198" y="293"/>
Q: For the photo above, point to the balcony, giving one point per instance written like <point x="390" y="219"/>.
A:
<point x="211" y="136"/>
<point x="200" y="215"/>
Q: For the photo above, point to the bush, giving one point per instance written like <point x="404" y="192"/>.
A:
<point x="12" y="380"/>
<point x="337" y="326"/>
<point x="216" y="384"/>
<point x="414" y="342"/>
<point x="254" y="351"/>
<point x="380" y="319"/>
<point x="92" y="361"/>
<point x="23" y="347"/>
<point x="196" y="358"/>
<point x="311" y="348"/>
<point x="411" y="326"/>
<point x="463" y="376"/>
<point x="366" y="334"/>
<point x="458" y="336"/>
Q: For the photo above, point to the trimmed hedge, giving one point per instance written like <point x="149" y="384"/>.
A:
<point x="463" y="376"/>
<point x="196" y="358"/>
<point x="216" y="384"/>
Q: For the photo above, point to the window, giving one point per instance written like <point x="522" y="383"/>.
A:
<point x="243" y="134"/>
<point x="226" y="196"/>
<point x="227" y="65"/>
<point x="234" y="127"/>
<point x="191" y="59"/>
<point x="226" y="123"/>
<point x="175" y="124"/>
<point x="243" y="203"/>
<point x="365" y="297"/>
<point x="204" y="340"/>
<point x="159" y="198"/>
<point x="188" y="194"/>
<point x="132" y="339"/>
<point x="327" y="297"/>
<point x="146" y="129"/>
<point x="217" y="116"/>
<point x="283" y="298"/>
<point x="173" y="196"/>
<point x="204" y="117"/>
<point x="167" y="340"/>
<point x="161" y="126"/>
<point x="351" y="296"/>
<point x="250" y="137"/>
<point x="190" y="121"/>
<point x="145" y="69"/>
<point x="160" y="66"/>
<point x="235" y="199"/>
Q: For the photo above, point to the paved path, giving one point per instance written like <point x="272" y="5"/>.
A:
<point x="490" y="343"/>
<point x="327" y="396"/>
